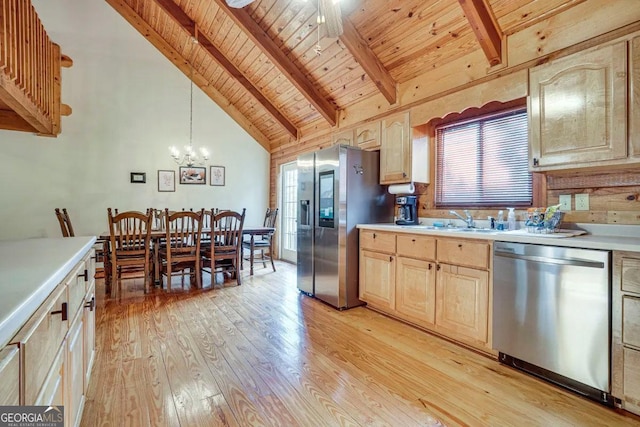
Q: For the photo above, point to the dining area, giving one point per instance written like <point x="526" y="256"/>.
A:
<point x="180" y="249"/>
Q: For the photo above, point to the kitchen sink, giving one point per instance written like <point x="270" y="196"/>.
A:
<point x="471" y="230"/>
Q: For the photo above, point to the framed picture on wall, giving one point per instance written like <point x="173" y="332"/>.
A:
<point x="166" y="180"/>
<point x="138" y="177"/>
<point x="217" y="175"/>
<point x="193" y="175"/>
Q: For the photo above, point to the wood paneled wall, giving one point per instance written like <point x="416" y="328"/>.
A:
<point x="614" y="196"/>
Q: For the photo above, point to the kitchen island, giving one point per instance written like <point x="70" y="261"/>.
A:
<point x="47" y="322"/>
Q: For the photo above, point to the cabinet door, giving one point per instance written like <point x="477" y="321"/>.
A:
<point x="578" y="108"/>
<point x="343" y="138"/>
<point x="89" y="335"/>
<point x="368" y="136"/>
<point x="10" y="376"/>
<point x="40" y="340"/>
<point x="377" y="279"/>
<point x="74" y="374"/>
<point x="395" y="151"/>
<point x="53" y="389"/>
<point x="632" y="376"/>
<point x="416" y="289"/>
<point x="462" y="302"/>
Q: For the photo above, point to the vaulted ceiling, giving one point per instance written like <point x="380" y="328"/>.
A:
<point x="261" y="63"/>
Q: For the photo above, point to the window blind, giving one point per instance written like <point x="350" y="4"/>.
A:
<point x="484" y="162"/>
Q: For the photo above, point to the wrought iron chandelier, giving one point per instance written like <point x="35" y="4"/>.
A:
<point x="190" y="157"/>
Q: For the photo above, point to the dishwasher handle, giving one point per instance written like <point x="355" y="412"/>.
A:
<point x="547" y="260"/>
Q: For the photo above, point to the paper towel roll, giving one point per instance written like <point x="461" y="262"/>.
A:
<point x="402" y="188"/>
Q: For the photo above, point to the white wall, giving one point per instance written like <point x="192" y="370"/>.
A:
<point x="129" y="105"/>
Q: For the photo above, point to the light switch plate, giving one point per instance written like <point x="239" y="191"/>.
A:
<point x="565" y="202"/>
<point x="582" y="202"/>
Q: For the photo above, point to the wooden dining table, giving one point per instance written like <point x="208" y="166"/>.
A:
<point x="254" y="231"/>
<point x="158" y="234"/>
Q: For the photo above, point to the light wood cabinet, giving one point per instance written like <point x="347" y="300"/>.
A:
<point x="625" y="326"/>
<point x="368" y="136"/>
<point x="74" y="397"/>
<point x="57" y="346"/>
<point x="10" y="376"/>
<point x="578" y="109"/>
<point x="416" y="289"/>
<point x="441" y="284"/>
<point x="403" y="158"/>
<point x="378" y="279"/>
<point x="462" y="302"/>
<point x="344" y="137"/>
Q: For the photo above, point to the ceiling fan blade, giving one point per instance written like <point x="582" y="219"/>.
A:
<point x="237" y="4"/>
<point x="333" y="17"/>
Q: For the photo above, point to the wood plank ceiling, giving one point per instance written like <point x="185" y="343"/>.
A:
<point x="259" y="63"/>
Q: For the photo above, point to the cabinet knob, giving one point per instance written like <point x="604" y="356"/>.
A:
<point x="62" y="311"/>
<point x="390" y="258"/>
<point x="374" y="235"/>
<point x="85" y="275"/>
<point x="430" y="266"/>
<point x="438" y="267"/>
<point x="413" y="240"/>
<point x="404" y="174"/>
<point x="459" y="245"/>
<point x="90" y="304"/>
<point x="535" y="161"/>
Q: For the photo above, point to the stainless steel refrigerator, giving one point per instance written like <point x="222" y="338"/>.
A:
<point x="338" y="188"/>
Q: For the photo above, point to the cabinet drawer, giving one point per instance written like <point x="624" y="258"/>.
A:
<point x="463" y="252"/>
<point x="10" y="376"/>
<point x="631" y="375"/>
<point x="631" y="321"/>
<point x="631" y="275"/>
<point x="419" y="247"/>
<point x="52" y="392"/>
<point x="378" y="241"/>
<point x="40" y="339"/>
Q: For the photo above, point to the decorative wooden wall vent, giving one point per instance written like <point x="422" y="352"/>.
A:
<point x="30" y="66"/>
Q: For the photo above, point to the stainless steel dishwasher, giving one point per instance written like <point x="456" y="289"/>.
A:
<point x="552" y="314"/>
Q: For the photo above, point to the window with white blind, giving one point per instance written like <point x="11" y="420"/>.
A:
<point x="484" y="162"/>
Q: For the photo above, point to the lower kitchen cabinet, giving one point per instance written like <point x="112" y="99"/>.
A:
<point x="56" y="348"/>
<point x="462" y="303"/>
<point x="440" y="284"/>
<point x="625" y="325"/>
<point x="378" y="279"/>
<point x="416" y="289"/>
<point x="10" y="376"/>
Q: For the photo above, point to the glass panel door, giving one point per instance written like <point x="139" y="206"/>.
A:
<point x="289" y="209"/>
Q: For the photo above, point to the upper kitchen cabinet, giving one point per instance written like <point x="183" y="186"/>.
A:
<point x="343" y="138"/>
<point x="578" y="109"/>
<point x="403" y="158"/>
<point x="368" y="136"/>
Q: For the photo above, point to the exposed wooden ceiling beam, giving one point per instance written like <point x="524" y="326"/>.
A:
<point x="368" y="61"/>
<point x="189" y="25"/>
<point x="170" y="53"/>
<point x="485" y="27"/>
<point x="252" y="30"/>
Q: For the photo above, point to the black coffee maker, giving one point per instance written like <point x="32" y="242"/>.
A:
<point x="407" y="210"/>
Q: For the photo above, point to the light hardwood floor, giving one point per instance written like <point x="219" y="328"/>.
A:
<point x="263" y="354"/>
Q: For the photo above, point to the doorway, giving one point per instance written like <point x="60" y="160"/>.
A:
<point x="289" y="209"/>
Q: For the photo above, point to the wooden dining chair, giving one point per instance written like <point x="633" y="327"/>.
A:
<point x="65" y="222"/>
<point x="130" y="245"/>
<point x="225" y="251"/>
<point x="264" y="244"/>
<point x="182" y="245"/>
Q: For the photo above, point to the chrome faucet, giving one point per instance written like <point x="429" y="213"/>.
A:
<point x="468" y="220"/>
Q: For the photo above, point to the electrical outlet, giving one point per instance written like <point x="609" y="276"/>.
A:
<point x="565" y="202"/>
<point x="582" y="202"/>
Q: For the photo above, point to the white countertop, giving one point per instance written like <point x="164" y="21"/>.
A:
<point x="607" y="237"/>
<point x="29" y="271"/>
